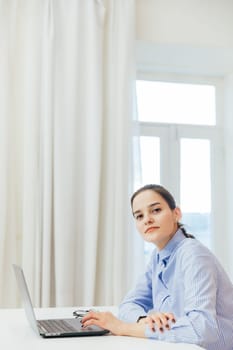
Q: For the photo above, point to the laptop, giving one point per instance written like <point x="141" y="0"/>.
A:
<point x="52" y="328"/>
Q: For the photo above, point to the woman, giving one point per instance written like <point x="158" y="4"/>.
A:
<point x="184" y="294"/>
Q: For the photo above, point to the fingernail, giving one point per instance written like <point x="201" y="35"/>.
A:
<point x="161" y="329"/>
<point x="173" y="320"/>
<point x="167" y="326"/>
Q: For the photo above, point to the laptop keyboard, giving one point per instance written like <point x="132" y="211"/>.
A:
<point x="56" y="326"/>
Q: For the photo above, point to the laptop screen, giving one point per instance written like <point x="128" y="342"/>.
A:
<point x="27" y="303"/>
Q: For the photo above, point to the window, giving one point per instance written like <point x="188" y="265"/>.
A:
<point x="195" y="189"/>
<point x="178" y="133"/>
<point x="170" y="102"/>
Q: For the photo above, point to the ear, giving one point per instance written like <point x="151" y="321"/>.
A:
<point x="177" y="214"/>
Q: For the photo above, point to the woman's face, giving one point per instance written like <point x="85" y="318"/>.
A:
<point x="155" y="221"/>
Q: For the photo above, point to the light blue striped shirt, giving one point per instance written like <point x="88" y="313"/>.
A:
<point x="185" y="278"/>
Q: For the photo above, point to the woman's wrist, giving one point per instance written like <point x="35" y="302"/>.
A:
<point x="133" y="329"/>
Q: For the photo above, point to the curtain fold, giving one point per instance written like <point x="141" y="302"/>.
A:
<point x="67" y="76"/>
<point x="226" y="254"/>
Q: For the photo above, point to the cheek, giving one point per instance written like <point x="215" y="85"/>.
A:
<point x="167" y="220"/>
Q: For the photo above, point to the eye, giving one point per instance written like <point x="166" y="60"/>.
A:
<point x="138" y="217"/>
<point x="156" y="210"/>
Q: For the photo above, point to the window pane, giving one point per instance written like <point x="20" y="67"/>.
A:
<point x="150" y="159"/>
<point x="176" y="103"/>
<point x="195" y="188"/>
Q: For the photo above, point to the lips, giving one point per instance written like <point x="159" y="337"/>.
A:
<point x="151" y="229"/>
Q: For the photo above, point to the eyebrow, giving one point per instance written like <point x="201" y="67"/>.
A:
<point x="149" y="206"/>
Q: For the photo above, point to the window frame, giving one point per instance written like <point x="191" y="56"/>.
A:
<point x="170" y="134"/>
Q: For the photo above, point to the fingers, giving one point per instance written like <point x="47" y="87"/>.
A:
<point x="91" y="322"/>
<point x="90" y="316"/>
<point x="170" y="317"/>
<point x="104" y="320"/>
<point x="160" y="321"/>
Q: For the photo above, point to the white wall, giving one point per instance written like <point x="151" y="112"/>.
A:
<point x="188" y="36"/>
<point x="191" y="22"/>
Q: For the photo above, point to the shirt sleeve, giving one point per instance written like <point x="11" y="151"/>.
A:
<point x="139" y="300"/>
<point x="198" y="324"/>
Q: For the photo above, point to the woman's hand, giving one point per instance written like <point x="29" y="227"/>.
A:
<point x="104" y="320"/>
<point x="108" y="321"/>
<point x="159" y="321"/>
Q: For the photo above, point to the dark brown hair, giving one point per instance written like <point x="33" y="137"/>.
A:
<point x="166" y="195"/>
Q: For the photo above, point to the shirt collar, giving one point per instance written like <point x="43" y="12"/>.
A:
<point x="165" y="253"/>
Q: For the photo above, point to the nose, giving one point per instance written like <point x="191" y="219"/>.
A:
<point x="148" y="218"/>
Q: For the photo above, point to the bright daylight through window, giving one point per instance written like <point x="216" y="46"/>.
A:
<point x="176" y="122"/>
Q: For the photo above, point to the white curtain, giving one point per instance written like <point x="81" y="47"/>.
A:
<point x="67" y="76"/>
<point x="227" y="236"/>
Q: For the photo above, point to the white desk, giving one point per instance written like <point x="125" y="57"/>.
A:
<point x="15" y="333"/>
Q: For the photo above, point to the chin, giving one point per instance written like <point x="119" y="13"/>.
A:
<point x="149" y="239"/>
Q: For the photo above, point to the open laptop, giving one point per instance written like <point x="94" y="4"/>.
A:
<point x="51" y="328"/>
